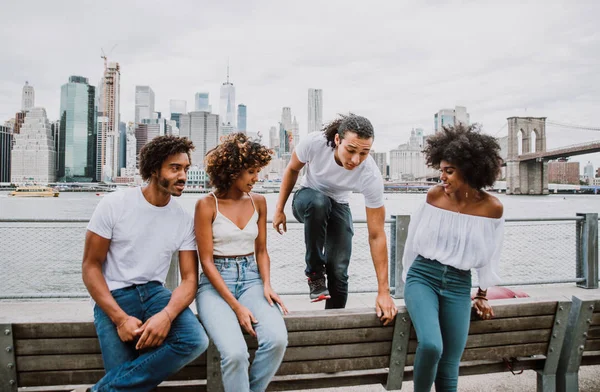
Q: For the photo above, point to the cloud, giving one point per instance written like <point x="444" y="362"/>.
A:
<point x="395" y="62"/>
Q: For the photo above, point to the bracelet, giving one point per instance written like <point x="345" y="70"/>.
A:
<point x="123" y="323"/>
<point x="168" y="315"/>
<point x="480" y="297"/>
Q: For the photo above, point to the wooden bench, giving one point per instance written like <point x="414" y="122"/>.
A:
<point x="333" y="348"/>
<point x="582" y="341"/>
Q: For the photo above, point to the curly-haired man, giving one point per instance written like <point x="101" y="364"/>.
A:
<point x="146" y="332"/>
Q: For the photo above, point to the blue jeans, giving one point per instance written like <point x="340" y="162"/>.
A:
<point x="243" y="280"/>
<point x="438" y="299"/>
<point x="130" y="370"/>
<point x="328" y="233"/>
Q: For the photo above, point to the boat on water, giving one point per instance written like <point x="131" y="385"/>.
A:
<point x="34" y="191"/>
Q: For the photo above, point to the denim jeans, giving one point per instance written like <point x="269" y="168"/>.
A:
<point x="328" y="233"/>
<point x="438" y="300"/>
<point x="130" y="370"/>
<point x="221" y="323"/>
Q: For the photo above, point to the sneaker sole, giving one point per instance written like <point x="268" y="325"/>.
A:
<point x="321" y="297"/>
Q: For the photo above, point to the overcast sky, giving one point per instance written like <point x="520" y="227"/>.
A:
<point x="395" y="62"/>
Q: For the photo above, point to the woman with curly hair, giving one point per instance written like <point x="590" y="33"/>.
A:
<point x="235" y="287"/>
<point x="459" y="228"/>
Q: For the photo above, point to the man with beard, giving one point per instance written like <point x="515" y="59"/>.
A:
<point x="146" y="332"/>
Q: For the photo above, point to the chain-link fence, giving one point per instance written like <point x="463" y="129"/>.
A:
<point x="42" y="259"/>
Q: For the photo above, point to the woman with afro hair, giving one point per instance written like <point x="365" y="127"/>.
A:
<point x="459" y="228"/>
<point x="235" y="288"/>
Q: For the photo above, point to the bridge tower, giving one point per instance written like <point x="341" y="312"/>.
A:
<point x="526" y="177"/>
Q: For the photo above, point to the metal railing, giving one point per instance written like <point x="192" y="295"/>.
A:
<point x="42" y="258"/>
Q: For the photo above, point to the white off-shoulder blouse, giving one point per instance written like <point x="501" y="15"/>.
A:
<point x="458" y="240"/>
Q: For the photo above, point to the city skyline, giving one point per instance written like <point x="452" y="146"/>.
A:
<point x="488" y="58"/>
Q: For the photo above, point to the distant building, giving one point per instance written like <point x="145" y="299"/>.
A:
<point x="27" y="98"/>
<point x="34" y="154"/>
<point x="227" y="103"/>
<point x="77" y="136"/>
<point x="588" y="171"/>
<point x="131" y="148"/>
<point x="315" y="110"/>
<point x="202" y="103"/>
<point x="6" y="143"/>
<point x="563" y="172"/>
<point x="407" y="162"/>
<point x="108" y="123"/>
<point x="451" y="117"/>
<point x="19" y="120"/>
<point x="144" y="103"/>
<point x="178" y="107"/>
<point x="381" y="161"/>
<point x="202" y="128"/>
<point x="241" y="123"/>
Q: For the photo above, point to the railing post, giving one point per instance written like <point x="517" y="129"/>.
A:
<point x="587" y="247"/>
<point x="8" y="363"/>
<point x="392" y="270"/>
<point x="400" y="235"/>
<point x="172" y="280"/>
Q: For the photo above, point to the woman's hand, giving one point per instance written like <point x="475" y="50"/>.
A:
<point x="246" y="319"/>
<point x="273" y="298"/>
<point x="483" y="308"/>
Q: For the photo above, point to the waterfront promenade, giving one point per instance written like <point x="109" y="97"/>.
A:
<point x="81" y="311"/>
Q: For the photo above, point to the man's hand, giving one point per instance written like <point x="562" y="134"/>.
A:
<point x="246" y="319"/>
<point x="154" y="331"/>
<point x="279" y="220"/>
<point x="127" y="330"/>
<point x="385" y="308"/>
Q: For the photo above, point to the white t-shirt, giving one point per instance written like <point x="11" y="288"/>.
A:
<point x="325" y="175"/>
<point x="143" y="237"/>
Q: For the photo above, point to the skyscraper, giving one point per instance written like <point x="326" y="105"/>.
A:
<point x="202" y="128"/>
<point x="588" y="171"/>
<point x="177" y="107"/>
<point x="381" y="161"/>
<point x="34" y="155"/>
<point x="76" y="160"/>
<point x="295" y="134"/>
<point x="122" y="146"/>
<point x="227" y="103"/>
<point x="131" y="154"/>
<point x="315" y="110"/>
<point x="451" y="117"/>
<point x="108" y="119"/>
<point x="28" y="97"/>
<point x="144" y="103"/>
<point x="6" y="142"/>
<point x="202" y="103"/>
<point x="241" y="118"/>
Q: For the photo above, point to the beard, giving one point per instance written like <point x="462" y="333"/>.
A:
<point x="169" y="186"/>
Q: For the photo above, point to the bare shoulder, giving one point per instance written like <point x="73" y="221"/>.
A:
<point x="434" y="193"/>
<point x="493" y="206"/>
<point x="259" y="199"/>
<point x="205" y="202"/>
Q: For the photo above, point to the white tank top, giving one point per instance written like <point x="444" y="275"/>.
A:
<point x="229" y="239"/>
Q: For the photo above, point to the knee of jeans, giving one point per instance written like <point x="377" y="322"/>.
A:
<point x="275" y="341"/>
<point x="234" y="356"/>
<point x="319" y="203"/>
<point x="338" y="274"/>
<point x="195" y="343"/>
<point x="431" y="348"/>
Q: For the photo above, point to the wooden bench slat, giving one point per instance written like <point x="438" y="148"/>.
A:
<point x="332" y="319"/>
<point x="499" y="339"/>
<point x="57" y="346"/>
<point x="36" y="363"/>
<point x="337" y="351"/>
<point x="497" y="352"/>
<point x="592" y="345"/>
<point x="594" y="332"/>
<point x="596" y="319"/>
<point x="326" y="337"/>
<point x="32" y="379"/>
<point x="334" y="365"/>
<point x="54" y="330"/>
<point x="514" y="308"/>
<point x="318" y="381"/>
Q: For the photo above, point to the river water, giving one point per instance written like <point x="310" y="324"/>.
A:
<point x="45" y="259"/>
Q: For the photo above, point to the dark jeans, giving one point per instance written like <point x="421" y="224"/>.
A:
<point x="130" y="370"/>
<point x="328" y="235"/>
<point x="438" y="299"/>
